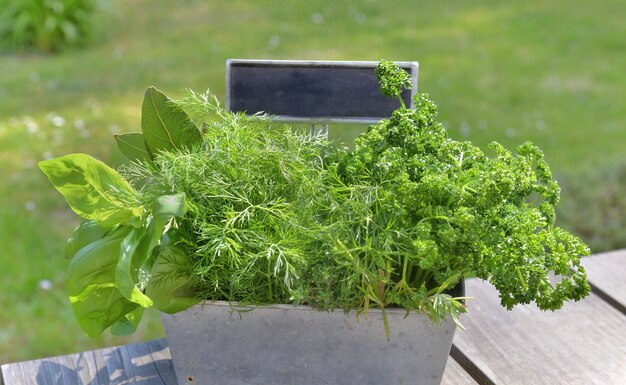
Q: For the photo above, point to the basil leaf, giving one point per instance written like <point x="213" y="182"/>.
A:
<point x="133" y="146"/>
<point x="87" y="232"/>
<point x="171" y="292"/>
<point x="91" y="286"/>
<point x="92" y="189"/>
<point x="137" y="247"/>
<point x="127" y="325"/>
<point x="164" y="209"/>
<point x="125" y="274"/>
<point x="165" y="125"/>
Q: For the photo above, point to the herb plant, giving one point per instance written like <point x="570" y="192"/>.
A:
<point x="222" y="206"/>
<point x="47" y="25"/>
<point x="455" y="211"/>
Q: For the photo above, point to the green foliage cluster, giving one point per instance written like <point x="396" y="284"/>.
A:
<point x="251" y="190"/>
<point x="392" y="79"/>
<point x="456" y="211"/>
<point x="121" y="244"/>
<point x="47" y="25"/>
<point x="253" y="213"/>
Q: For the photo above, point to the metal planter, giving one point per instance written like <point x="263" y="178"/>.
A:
<point x="298" y="345"/>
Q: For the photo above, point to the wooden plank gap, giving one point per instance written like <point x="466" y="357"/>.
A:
<point x="474" y="371"/>
<point x="161" y="358"/>
<point x="614" y="303"/>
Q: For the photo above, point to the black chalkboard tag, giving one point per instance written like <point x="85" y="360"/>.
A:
<point x="311" y="91"/>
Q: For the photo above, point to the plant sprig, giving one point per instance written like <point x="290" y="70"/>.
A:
<point x="393" y="80"/>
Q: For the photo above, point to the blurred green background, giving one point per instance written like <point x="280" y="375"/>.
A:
<point x="550" y="72"/>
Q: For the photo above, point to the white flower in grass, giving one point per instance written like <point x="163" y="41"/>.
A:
<point x="56" y="120"/>
<point x="30" y="124"/>
<point x="317" y="18"/>
<point x="465" y="129"/>
<point x="45" y="284"/>
<point x="79" y="124"/>
<point x="511" y="132"/>
<point x="114" y="129"/>
<point x="274" y="41"/>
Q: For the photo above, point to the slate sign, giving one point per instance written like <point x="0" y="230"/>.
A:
<point x="311" y="91"/>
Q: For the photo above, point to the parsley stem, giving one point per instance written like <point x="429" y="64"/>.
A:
<point x="521" y="279"/>
<point x="401" y="101"/>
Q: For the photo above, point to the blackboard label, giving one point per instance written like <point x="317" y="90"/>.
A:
<point x="312" y="91"/>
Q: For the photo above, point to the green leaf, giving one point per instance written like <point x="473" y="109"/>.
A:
<point x="171" y="292"/>
<point x="125" y="275"/>
<point x="164" y="209"/>
<point x="92" y="189"/>
<point x="165" y="125"/>
<point x="87" y="232"/>
<point x="127" y="325"/>
<point x="133" y="146"/>
<point x="91" y="286"/>
<point x="137" y="247"/>
<point x="168" y="206"/>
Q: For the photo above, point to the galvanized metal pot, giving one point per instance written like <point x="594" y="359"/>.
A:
<point x="298" y="345"/>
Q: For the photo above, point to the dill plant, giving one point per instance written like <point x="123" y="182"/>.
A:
<point x="250" y="187"/>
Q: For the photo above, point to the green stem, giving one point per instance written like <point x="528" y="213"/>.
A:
<point x="411" y="274"/>
<point x="269" y="281"/>
<point x="401" y="101"/>
<point x="421" y="277"/>
<point x="404" y="268"/>
<point x="521" y="279"/>
<point x="442" y="217"/>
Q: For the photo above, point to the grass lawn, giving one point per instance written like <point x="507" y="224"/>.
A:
<point x="550" y="72"/>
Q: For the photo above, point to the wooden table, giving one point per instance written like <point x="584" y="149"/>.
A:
<point x="584" y="343"/>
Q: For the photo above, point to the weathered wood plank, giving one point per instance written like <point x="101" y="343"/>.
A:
<point x="607" y="272"/>
<point x="162" y="360"/>
<point x="145" y="364"/>
<point x="455" y="375"/>
<point x="583" y="343"/>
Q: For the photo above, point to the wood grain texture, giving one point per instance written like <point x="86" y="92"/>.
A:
<point x="455" y="375"/>
<point x="583" y="343"/>
<point x="607" y="272"/>
<point x="145" y="364"/>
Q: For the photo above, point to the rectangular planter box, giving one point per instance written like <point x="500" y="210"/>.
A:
<point x="298" y="345"/>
